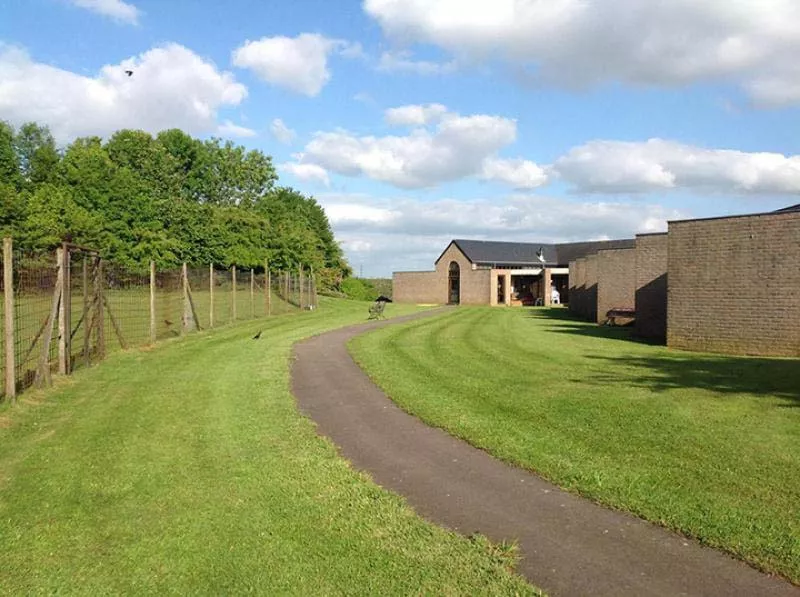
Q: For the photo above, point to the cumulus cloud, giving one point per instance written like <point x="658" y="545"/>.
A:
<point x="306" y="172"/>
<point x="229" y="129"/>
<point x="171" y="87"/>
<point x="574" y="42"/>
<point x="655" y="165"/>
<point x="404" y="233"/>
<point x="415" y="115"/>
<point x="282" y="132"/>
<point x="517" y="173"/>
<point x="402" y="62"/>
<point x="118" y="10"/>
<point x="299" y="64"/>
<point x="456" y="148"/>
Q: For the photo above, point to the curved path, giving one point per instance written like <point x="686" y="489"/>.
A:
<point x="570" y="546"/>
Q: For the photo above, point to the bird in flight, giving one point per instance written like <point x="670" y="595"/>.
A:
<point x="129" y="73"/>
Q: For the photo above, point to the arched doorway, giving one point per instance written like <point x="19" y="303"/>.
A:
<point x="454" y="284"/>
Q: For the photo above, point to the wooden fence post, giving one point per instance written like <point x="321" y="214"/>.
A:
<point x="312" y="292"/>
<point x="286" y="294"/>
<point x="233" y="277"/>
<point x="8" y="324"/>
<point x="210" y="295"/>
<point x="86" y="325"/>
<point x="300" y="285"/>
<point x="186" y="312"/>
<point x="252" y="295"/>
<point x="101" y="325"/>
<point x="153" y="302"/>
<point x="267" y="289"/>
<point x="62" y="256"/>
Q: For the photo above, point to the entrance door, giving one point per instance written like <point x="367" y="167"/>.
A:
<point x="454" y="284"/>
<point x="501" y="290"/>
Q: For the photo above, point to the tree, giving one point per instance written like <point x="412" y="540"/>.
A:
<point x="37" y="153"/>
<point x="9" y="162"/>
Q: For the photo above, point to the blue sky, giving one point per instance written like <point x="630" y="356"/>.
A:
<point x="416" y="121"/>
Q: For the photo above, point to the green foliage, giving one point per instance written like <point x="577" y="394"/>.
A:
<point x="169" y="198"/>
<point x="358" y="289"/>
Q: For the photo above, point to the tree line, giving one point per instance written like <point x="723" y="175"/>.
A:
<point x="169" y="198"/>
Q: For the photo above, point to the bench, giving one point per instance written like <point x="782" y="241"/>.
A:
<point x="376" y="310"/>
<point x="625" y="313"/>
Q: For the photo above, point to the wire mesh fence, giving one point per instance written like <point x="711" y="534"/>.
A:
<point x="69" y="308"/>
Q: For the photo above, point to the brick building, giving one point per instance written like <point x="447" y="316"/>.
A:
<point x="474" y="272"/>
<point x="734" y="284"/>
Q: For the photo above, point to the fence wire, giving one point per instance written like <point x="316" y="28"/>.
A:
<point x="108" y="307"/>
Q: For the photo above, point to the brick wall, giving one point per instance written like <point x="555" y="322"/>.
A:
<point x="589" y="301"/>
<point x="734" y="285"/>
<point x="419" y="287"/>
<point x="432" y="287"/>
<point x="616" y="281"/>
<point x="577" y="285"/>
<point x="651" y="286"/>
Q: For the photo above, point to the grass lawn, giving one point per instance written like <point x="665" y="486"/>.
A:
<point x="186" y="469"/>
<point x="705" y="444"/>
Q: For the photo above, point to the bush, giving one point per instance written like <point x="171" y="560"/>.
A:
<point x="359" y="289"/>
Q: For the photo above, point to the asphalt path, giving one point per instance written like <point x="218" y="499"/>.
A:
<point x="569" y="545"/>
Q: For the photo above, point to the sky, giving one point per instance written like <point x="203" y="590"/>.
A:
<point x="413" y="122"/>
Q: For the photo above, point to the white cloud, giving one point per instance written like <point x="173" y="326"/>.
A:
<point x="401" y="62"/>
<point x="116" y="9"/>
<point x="282" y="132"/>
<point x="424" y="158"/>
<point x="306" y="172"/>
<point x="517" y="173"/>
<point x="386" y="235"/>
<point x="171" y="87"/>
<point x="415" y="115"/>
<point x="654" y="165"/>
<point x="229" y="129"/>
<point x="575" y="42"/>
<point x="299" y="64"/>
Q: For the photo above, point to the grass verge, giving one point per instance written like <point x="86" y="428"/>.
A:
<point x="704" y="444"/>
<point x="187" y="469"/>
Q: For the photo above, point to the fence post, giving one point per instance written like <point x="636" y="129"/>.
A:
<point x="210" y="295"/>
<point x="300" y="285"/>
<point x="62" y="255"/>
<point x="267" y="289"/>
<point x="86" y="326"/>
<point x="252" y="295"/>
<point x="286" y="294"/>
<point x="233" y="270"/>
<point x="312" y="289"/>
<point x="186" y="312"/>
<point x="101" y="326"/>
<point x="8" y="327"/>
<point x="152" y="302"/>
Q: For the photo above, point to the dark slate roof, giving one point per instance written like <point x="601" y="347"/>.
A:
<point x="506" y="253"/>
<point x="790" y="208"/>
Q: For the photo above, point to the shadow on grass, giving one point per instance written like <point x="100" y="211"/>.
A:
<point x="760" y="376"/>
<point x="724" y="374"/>
<point x="566" y="322"/>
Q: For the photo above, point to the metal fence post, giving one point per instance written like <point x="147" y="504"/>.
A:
<point x="152" y="302"/>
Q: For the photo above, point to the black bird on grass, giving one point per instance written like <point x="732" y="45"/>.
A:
<point x="258" y="335"/>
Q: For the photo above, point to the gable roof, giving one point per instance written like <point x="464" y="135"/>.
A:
<point x="788" y="209"/>
<point x="487" y="252"/>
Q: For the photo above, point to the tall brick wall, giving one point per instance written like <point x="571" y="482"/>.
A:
<point x="577" y="286"/>
<point x="734" y="285"/>
<point x="651" y="286"/>
<point x="419" y="287"/>
<point x="589" y="301"/>
<point x="616" y="281"/>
